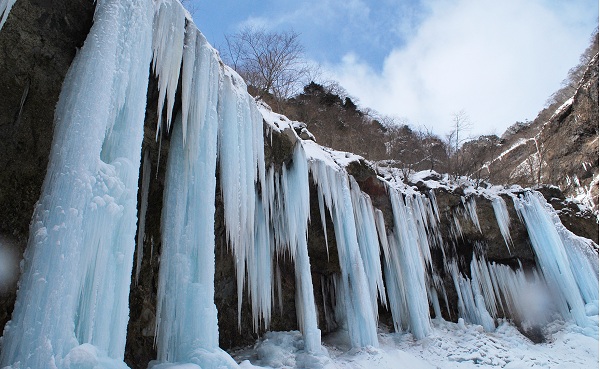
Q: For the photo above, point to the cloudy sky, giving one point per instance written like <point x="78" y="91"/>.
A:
<point x="424" y="60"/>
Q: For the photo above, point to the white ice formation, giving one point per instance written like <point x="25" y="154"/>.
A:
<point x="72" y="304"/>
<point x="5" y="6"/>
<point x="74" y="288"/>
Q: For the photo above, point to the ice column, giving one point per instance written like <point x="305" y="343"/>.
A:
<point x="5" y="6"/>
<point x="74" y="290"/>
<point x="496" y="290"/>
<point x="406" y="259"/>
<point x="296" y="202"/>
<point x="501" y="213"/>
<point x="167" y="44"/>
<point x="186" y="314"/>
<point x="568" y="263"/>
<point x="333" y="185"/>
<point x="368" y="244"/>
<point x="242" y="173"/>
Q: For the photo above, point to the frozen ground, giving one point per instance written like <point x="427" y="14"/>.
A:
<point x="451" y="345"/>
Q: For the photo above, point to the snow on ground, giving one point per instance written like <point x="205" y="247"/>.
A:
<point x="449" y="346"/>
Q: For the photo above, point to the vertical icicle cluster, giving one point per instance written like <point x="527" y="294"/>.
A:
<point x="296" y="212"/>
<point x="74" y="291"/>
<point x="471" y="304"/>
<point x="470" y="206"/>
<point x="568" y="265"/>
<point x="360" y="317"/>
<point x="187" y="330"/>
<point x="263" y="213"/>
<point x="368" y="244"/>
<point x="502" y="218"/>
<point x="495" y="288"/>
<point x="242" y="171"/>
<point x="73" y="296"/>
<point x="407" y="257"/>
<point x="167" y="47"/>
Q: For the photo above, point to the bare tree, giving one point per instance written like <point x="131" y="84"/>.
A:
<point x="461" y="128"/>
<point x="270" y="62"/>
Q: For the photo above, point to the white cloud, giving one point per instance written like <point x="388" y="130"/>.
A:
<point x="497" y="60"/>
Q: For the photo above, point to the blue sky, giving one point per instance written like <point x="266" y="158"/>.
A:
<point x="423" y="60"/>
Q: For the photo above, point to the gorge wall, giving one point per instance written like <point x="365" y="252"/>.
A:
<point x="39" y="41"/>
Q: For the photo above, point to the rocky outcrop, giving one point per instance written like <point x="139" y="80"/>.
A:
<point x="558" y="148"/>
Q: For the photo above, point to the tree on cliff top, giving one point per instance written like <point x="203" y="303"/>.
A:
<point x="270" y="62"/>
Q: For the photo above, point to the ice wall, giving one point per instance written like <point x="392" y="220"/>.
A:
<point x="72" y="310"/>
<point x="567" y="262"/>
<point x="74" y="291"/>
<point x="495" y="290"/>
<point x="407" y="264"/>
<point x="187" y="330"/>
<point x="360" y="316"/>
<point x="266" y="213"/>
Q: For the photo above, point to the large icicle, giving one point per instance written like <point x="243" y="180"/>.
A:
<point x="5" y="6"/>
<point x="296" y="201"/>
<point x="333" y="185"/>
<point x="406" y="259"/>
<point x="167" y="43"/>
<point x="568" y="263"/>
<point x="368" y="242"/>
<point x="501" y="213"/>
<point x="74" y="291"/>
<point x="186" y="314"/>
<point x="242" y="170"/>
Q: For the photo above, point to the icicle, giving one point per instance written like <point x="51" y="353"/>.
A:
<point x="575" y="276"/>
<point x="5" y="6"/>
<point x="405" y="262"/>
<point x="333" y="186"/>
<point x="368" y="243"/>
<point x="146" y="169"/>
<point x="503" y="219"/>
<point x="241" y="160"/>
<point x="295" y="193"/>
<point x="74" y="289"/>
<point x="434" y="205"/>
<point x="470" y="206"/>
<point x="167" y="44"/>
<point x="324" y="223"/>
<point x="471" y="304"/>
<point x="187" y="330"/>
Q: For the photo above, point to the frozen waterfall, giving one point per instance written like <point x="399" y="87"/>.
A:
<point x="72" y="303"/>
<point x="74" y="289"/>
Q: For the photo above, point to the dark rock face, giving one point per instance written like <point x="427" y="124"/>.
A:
<point x="37" y="44"/>
<point x="571" y="138"/>
<point x="559" y="147"/>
